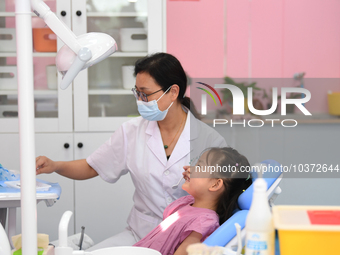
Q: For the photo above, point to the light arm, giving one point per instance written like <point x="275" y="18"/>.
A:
<point x="56" y="25"/>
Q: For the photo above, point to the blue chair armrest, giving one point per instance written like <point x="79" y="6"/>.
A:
<point x="244" y="200"/>
<point x="223" y="235"/>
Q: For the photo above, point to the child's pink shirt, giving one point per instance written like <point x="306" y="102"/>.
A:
<point x="179" y="220"/>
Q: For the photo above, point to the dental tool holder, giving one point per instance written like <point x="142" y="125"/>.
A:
<point x="63" y="249"/>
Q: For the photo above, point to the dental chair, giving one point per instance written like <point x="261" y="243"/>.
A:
<point x="225" y="235"/>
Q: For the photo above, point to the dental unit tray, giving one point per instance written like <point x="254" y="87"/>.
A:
<point x="8" y="192"/>
<point x="39" y="185"/>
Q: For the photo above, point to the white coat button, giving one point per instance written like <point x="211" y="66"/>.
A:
<point x="169" y="199"/>
<point x="166" y="172"/>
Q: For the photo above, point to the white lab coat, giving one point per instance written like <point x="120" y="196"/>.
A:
<point x="137" y="147"/>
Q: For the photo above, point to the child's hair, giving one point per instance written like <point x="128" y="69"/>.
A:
<point x="235" y="182"/>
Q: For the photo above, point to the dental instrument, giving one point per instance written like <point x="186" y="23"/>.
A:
<point x="176" y="185"/>
<point x="239" y="238"/>
<point x="229" y="251"/>
<point x="63" y="248"/>
<point x="81" y="237"/>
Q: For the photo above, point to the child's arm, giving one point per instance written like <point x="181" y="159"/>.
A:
<point x="194" y="237"/>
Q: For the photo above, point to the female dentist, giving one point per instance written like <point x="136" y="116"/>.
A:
<point x="153" y="148"/>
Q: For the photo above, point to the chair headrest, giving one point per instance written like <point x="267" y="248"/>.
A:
<point x="244" y="200"/>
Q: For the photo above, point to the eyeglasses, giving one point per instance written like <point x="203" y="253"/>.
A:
<point x="138" y="94"/>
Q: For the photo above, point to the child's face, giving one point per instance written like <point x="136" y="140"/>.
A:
<point x="198" y="186"/>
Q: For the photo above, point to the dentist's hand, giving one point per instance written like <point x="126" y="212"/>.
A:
<point x="44" y="165"/>
<point x="76" y="169"/>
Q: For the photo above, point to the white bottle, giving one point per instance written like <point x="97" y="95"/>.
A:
<point x="259" y="224"/>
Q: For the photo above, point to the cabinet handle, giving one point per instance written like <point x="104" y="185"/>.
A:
<point x="63" y="13"/>
<point x="66" y="145"/>
<point x="80" y="145"/>
<point x="78" y="13"/>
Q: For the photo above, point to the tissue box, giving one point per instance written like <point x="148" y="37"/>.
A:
<point x="44" y="40"/>
<point x="133" y="39"/>
<point x="8" y="78"/>
<point x="7" y="40"/>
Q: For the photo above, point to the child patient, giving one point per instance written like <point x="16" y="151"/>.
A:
<point x="212" y="200"/>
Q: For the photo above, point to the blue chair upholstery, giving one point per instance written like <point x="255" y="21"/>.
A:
<point x="225" y="233"/>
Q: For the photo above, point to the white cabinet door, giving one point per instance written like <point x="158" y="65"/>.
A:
<point x="58" y="147"/>
<point x="9" y="151"/>
<point x="101" y="207"/>
<point x="102" y="94"/>
<point x="52" y="146"/>
<point x="52" y="106"/>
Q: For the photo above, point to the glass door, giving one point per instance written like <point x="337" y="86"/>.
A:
<point x="50" y="114"/>
<point x="108" y="100"/>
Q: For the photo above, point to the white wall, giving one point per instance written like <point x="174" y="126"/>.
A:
<point x="304" y="144"/>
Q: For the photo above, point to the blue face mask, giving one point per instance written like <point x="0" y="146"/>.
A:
<point x="150" y="110"/>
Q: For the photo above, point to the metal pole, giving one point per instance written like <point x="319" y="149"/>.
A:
<point x="23" y="18"/>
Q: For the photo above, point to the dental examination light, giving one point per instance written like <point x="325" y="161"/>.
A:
<point x="79" y="52"/>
